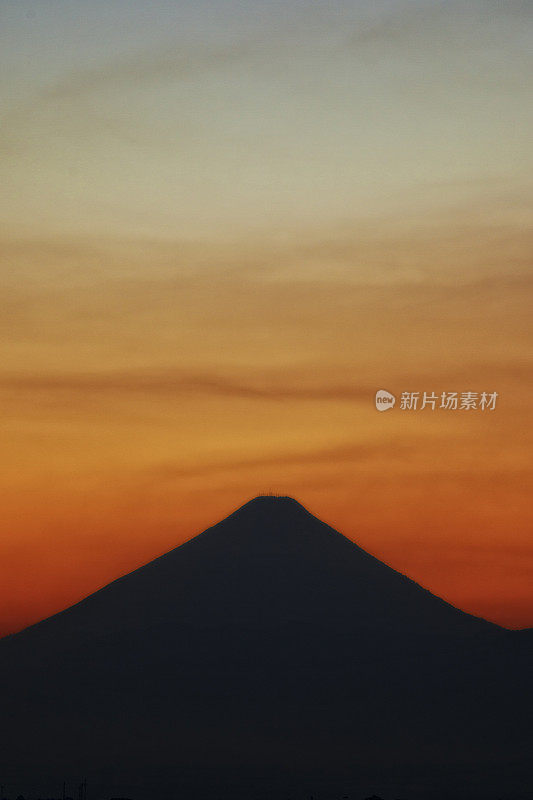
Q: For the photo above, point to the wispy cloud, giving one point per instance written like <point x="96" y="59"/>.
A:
<point x="180" y="62"/>
<point x="178" y="382"/>
<point x="439" y="24"/>
<point x="266" y="386"/>
<point x="352" y="453"/>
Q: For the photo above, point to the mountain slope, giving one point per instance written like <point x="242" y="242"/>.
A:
<point x="268" y="563"/>
<point x="268" y="655"/>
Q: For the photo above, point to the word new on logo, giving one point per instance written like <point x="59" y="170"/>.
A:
<point x="384" y="400"/>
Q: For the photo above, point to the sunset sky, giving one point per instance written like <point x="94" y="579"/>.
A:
<point x="225" y="226"/>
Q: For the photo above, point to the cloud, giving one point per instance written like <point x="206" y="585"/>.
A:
<point x="264" y="385"/>
<point x="479" y="235"/>
<point x="178" y="382"/>
<point x="170" y="64"/>
<point x="358" y="452"/>
<point x="441" y="24"/>
<point x="178" y="62"/>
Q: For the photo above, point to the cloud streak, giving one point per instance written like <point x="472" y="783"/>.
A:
<point x="177" y="382"/>
<point x="269" y="386"/>
<point x="361" y="452"/>
<point x="177" y="63"/>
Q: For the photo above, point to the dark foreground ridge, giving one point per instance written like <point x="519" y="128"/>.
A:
<point x="267" y="657"/>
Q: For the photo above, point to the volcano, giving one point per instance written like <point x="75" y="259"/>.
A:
<point x="269" y="656"/>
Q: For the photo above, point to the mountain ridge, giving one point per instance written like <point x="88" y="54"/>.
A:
<point x="266" y="656"/>
<point x="291" y="533"/>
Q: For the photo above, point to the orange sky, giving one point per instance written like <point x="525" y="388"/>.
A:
<point x="222" y="237"/>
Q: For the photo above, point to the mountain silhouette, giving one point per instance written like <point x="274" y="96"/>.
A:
<point x="268" y="656"/>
